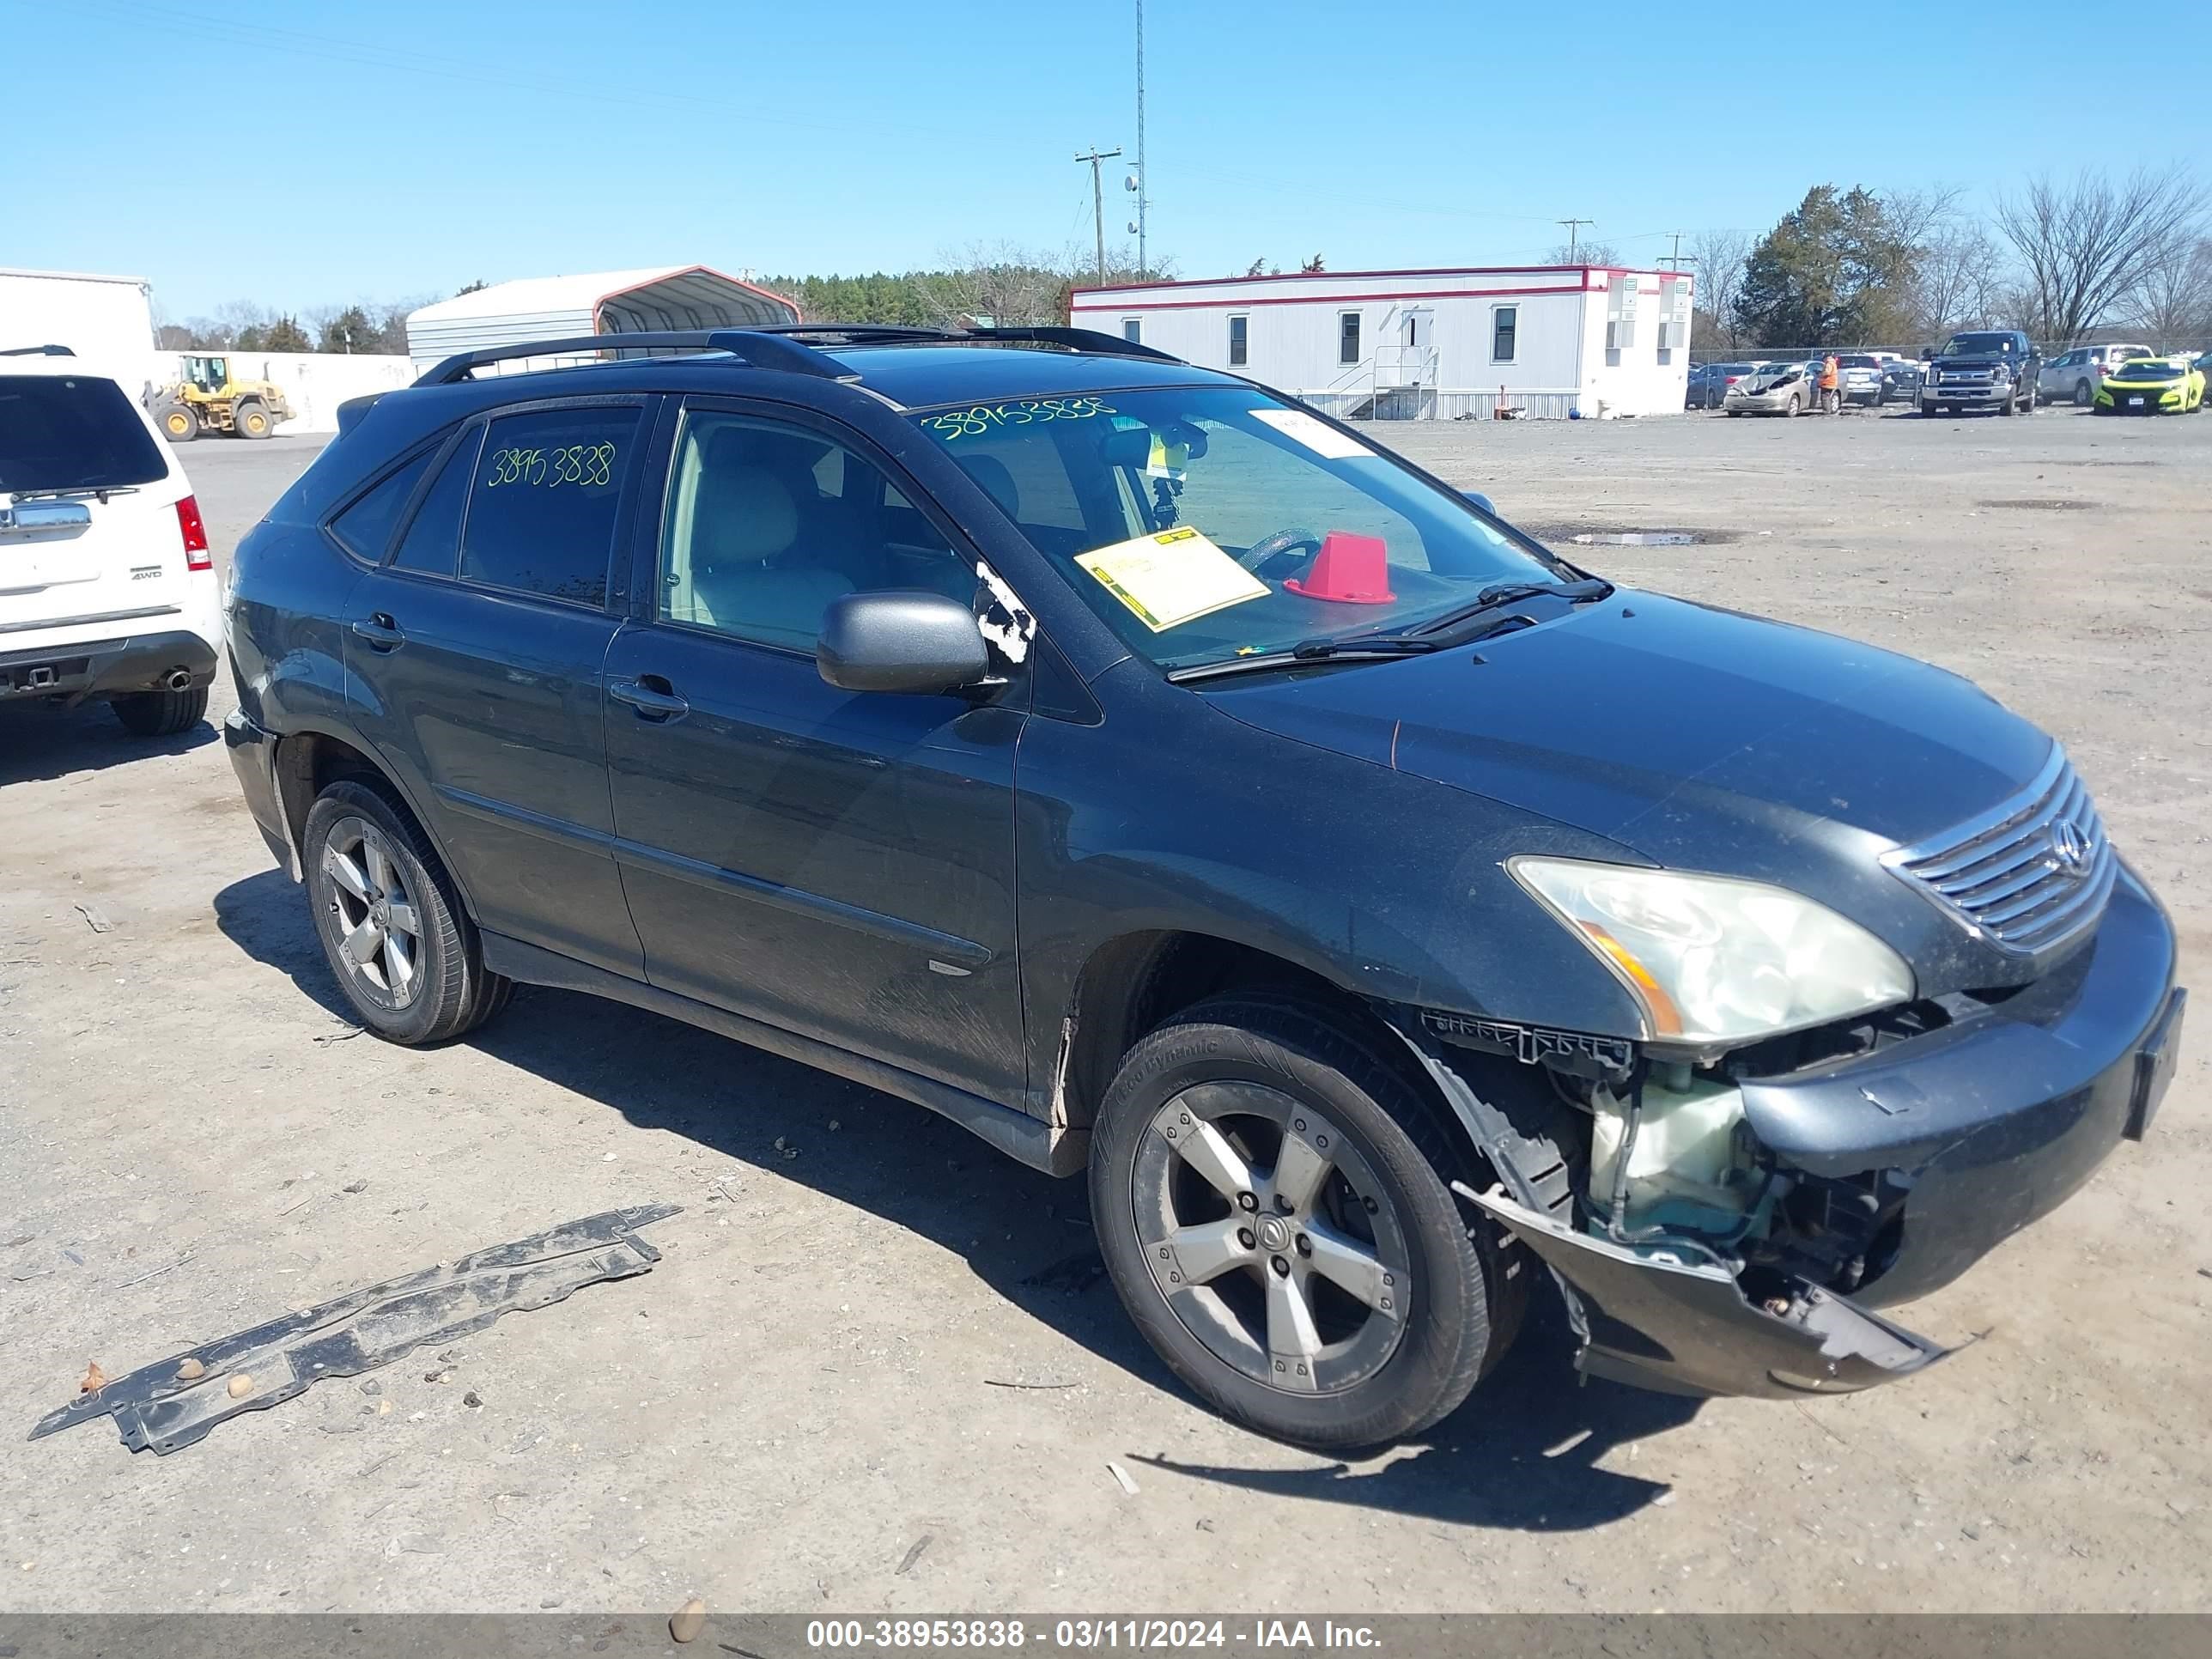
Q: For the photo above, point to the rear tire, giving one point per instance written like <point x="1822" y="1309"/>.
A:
<point x="1267" y="1332"/>
<point x="160" y="713"/>
<point x="392" y="926"/>
<point x="177" y="423"/>
<point x="252" y="419"/>
<point x="2083" y="394"/>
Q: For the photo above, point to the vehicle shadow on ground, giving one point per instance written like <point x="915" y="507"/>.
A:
<point x="1025" y="1235"/>
<point x="39" y="742"/>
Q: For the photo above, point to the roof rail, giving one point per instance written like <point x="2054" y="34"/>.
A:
<point x="862" y="333"/>
<point x="758" y="347"/>
<point x="1075" y="339"/>
<point x="37" y="351"/>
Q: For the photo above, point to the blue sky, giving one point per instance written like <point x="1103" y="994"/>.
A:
<point x="400" y="149"/>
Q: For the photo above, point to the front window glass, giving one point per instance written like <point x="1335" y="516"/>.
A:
<point x="1207" y="522"/>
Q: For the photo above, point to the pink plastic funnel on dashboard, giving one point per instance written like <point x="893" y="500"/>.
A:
<point x="1348" y="570"/>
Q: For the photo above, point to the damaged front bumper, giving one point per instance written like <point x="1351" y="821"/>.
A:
<point x="1956" y="1139"/>
<point x="1654" y="1318"/>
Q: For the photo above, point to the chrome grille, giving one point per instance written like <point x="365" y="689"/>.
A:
<point x="2029" y="874"/>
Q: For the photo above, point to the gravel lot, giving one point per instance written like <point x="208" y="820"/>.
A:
<point x="806" y="1408"/>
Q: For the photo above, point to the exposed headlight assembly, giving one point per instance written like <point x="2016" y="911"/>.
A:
<point x="1711" y="959"/>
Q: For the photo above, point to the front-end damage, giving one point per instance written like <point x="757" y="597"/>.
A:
<point x="1723" y="1222"/>
<point x="1691" y="1261"/>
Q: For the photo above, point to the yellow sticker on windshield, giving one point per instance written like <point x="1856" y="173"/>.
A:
<point x="1171" y="578"/>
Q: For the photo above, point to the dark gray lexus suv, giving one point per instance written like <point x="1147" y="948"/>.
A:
<point x="1171" y="785"/>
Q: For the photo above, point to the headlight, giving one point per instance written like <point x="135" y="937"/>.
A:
<point x="1713" y="959"/>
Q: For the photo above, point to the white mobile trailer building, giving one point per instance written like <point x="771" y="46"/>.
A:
<point x="596" y="302"/>
<point x="1550" y="340"/>
<point x="107" y="320"/>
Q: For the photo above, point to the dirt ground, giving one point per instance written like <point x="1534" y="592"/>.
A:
<point x="809" y="1406"/>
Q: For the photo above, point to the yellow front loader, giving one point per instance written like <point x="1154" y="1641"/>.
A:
<point x="208" y="400"/>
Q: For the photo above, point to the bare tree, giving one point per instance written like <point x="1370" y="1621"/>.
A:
<point x="2085" y="244"/>
<point x="2173" y="299"/>
<point x="1960" y="281"/>
<point x="1719" y="257"/>
<point x="1583" y="253"/>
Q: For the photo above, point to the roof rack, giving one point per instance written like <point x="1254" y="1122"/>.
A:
<point x="861" y="333"/>
<point x="1075" y="339"/>
<point x="37" y="351"/>
<point x="758" y="347"/>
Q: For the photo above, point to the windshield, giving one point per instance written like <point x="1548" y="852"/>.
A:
<point x="1208" y="522"/>
<point x="1976" y="345"/>
<point x="2147" y="370"/>
<point x="72" y="432"/>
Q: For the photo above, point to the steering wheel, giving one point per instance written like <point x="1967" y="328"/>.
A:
<point x="1283" y="544"/>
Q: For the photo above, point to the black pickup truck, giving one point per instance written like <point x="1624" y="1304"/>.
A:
<point x="1983" y="368"/>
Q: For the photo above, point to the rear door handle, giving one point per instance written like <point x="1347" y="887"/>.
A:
<point x="652" y="697"/>
<point x="380" y="631"/>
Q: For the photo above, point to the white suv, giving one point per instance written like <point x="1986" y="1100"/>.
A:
<point x="2074" y="376"/>
<point x="107" y="589"/>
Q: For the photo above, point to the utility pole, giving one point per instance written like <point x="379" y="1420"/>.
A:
<point x="1144" y="180"/>
<point x="1573" y="240"/>
<point x="1099" y="201"/>
<point x="1674" y="259"/>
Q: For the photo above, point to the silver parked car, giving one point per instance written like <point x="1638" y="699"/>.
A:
<point x="2072" y="377"/>
<point x="1776" y="389"/>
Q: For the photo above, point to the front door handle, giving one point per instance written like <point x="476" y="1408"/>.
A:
<point x="380" y="631"/>
<point x="652" y="697"/>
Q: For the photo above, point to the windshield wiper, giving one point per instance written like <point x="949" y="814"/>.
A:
<point x="1370" y="647"/>
<point x="1498" y="595"/>
<point x="68" y="492"/>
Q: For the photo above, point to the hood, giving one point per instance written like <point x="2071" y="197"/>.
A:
<point x="1699" y="738"/>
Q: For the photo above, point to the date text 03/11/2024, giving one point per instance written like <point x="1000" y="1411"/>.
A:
<point x="1010" y="1634"/>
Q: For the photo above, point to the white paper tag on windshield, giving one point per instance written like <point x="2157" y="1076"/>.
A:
<point x="1171" y="578"/>
<point x="1324" y="440"/>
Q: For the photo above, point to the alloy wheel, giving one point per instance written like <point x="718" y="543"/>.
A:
<point x="378" y="927"/>
<point x="1271" y="1237"/>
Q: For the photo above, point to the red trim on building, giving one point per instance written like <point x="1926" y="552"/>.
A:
<point x="1354" y="276"/>
<point x="1346" y="300"/>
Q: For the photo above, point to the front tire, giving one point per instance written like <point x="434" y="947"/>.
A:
<point x="160" y="713"/>
<point x="1270" y="1197"/>
<point x="179" y="424"/>
<point x="393" y="929"/>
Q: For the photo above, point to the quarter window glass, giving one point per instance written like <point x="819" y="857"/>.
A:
<point x="766" y="524"/>
<point x="366" y="528"/>
<point x="432" y="540"/>
<point x="541" y="512"/>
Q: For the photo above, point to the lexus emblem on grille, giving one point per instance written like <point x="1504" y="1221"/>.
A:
<point x="2069" y="848"/>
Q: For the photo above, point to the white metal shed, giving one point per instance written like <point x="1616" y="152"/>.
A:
<point x="595" y="303"/>
<point x="1543" y="340"/>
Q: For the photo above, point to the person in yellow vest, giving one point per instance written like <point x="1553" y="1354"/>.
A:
<point x="1832" y="395"/>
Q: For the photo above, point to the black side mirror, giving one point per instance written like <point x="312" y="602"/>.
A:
<point x="1927" y="353"/>
<point x="918" y="642"/>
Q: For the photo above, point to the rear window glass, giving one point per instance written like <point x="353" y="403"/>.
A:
<point x="366" y="528"/>
<point x="541" y="514"/>
<point x="72" y="432"/>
